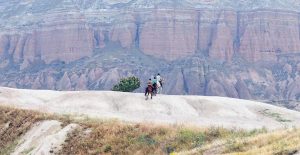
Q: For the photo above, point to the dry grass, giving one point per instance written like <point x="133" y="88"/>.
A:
<point x="279" y="142"/>
<point x="283" y="142"/>
<point x="119" y="138"/>
<point x="13" y="124"/>
<point x="114" y="137"/>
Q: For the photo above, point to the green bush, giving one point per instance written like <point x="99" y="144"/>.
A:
<point x="127" y="84"/>
<point x="107" y="148"/>
<point x="191" y="137"/>
<point x="146" y="140"/>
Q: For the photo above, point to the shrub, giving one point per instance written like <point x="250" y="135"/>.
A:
<point x="191" y="137"/>
<point x="107" y="148"/>
<point x="146" y="139"/>
<point x="127" y="84"/>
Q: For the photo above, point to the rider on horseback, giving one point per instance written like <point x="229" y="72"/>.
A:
<point x="159" y="79"/>
<point x="154" y="84"/>
<point x="159" y="83"/>
<point x="149" y="89"/>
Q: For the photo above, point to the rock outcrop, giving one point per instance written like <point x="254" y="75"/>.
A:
<point x="201" y="47"/>
<point x="165" y="33"/>
<point x="46" y="137"/>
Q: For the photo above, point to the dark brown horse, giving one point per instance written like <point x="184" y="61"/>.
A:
<point x="149" y="91"/>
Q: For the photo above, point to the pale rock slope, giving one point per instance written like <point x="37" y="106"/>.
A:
<point x="189" y="110"/>
<point x="44" y="138"/>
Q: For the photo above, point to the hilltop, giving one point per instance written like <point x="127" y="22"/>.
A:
<point x="124" y="123"/>
<point x="190" y="110"/>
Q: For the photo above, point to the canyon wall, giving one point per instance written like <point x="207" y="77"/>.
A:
<point x="241" y="54"/>
<point x="167" y="34"/>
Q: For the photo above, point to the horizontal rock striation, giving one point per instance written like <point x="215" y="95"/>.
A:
<point x="202" y="47"/>
<point x="168" y="34"/>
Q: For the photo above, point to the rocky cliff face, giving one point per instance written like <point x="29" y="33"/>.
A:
<point x="240" y="49"/>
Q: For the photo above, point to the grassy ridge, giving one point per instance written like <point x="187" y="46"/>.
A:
<point x="114" y="137"/>
<point x="13" y="124"/>
<point x="279" y="142"/>
<point x="120" y="138"/>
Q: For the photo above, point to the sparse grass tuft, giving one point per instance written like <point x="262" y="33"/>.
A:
<point x="274" y="115"/>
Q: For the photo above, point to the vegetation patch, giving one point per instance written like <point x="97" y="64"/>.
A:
<point x="280" y="142"/>
<point x="274" y="115"/>
<point x="127" y="84"/>
<point x="114" y="137"/>
<point x="120" y="138"/>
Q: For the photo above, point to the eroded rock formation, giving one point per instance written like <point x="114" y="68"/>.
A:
<point x="78" y="45"/>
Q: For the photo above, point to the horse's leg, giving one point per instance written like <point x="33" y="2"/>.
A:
<point x="146" y="95"/>
<point x="160" y="90"/>
<point x="146" y="90"/>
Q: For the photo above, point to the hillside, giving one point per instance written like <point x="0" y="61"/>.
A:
<point x="30" y="132"/>
<point x="124" y="123"/>
<point x="189" y="110"/>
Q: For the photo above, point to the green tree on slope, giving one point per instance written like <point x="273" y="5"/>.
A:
<point x="128" y="84"/>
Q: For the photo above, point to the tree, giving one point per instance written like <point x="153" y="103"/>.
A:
<point x="127" y="84"/>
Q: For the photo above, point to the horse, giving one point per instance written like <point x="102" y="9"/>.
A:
<point x="158" y="88"/>
<point x="149" y="91"/>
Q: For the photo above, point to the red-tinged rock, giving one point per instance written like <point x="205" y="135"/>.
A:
<point x="4" y="40"/>
<point x="82" y="83"/>
<point x="169" y="34"/>
<point x="265" y="34"/>
<point x="18" y="52"/>
<point x="177" y="83"/>
<point x="50" y="82"/>
<point x="110" y="78"/>
<point x="37" y="83"/>
<point x="293" y="91"/>
<point x="95" y="74"/>
<point x="65" y="44"/>
<point x="242" y="90"/>
<point x="124" y="34"/>
<point x="99" y="39"/>
<point x="217" y="32"/>
<point x="215" y="89"/>
<point x="74" y="77"/>
<point x="64" y="83"/>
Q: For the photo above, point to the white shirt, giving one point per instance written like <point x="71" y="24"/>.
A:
<point x="158" y="78"/>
